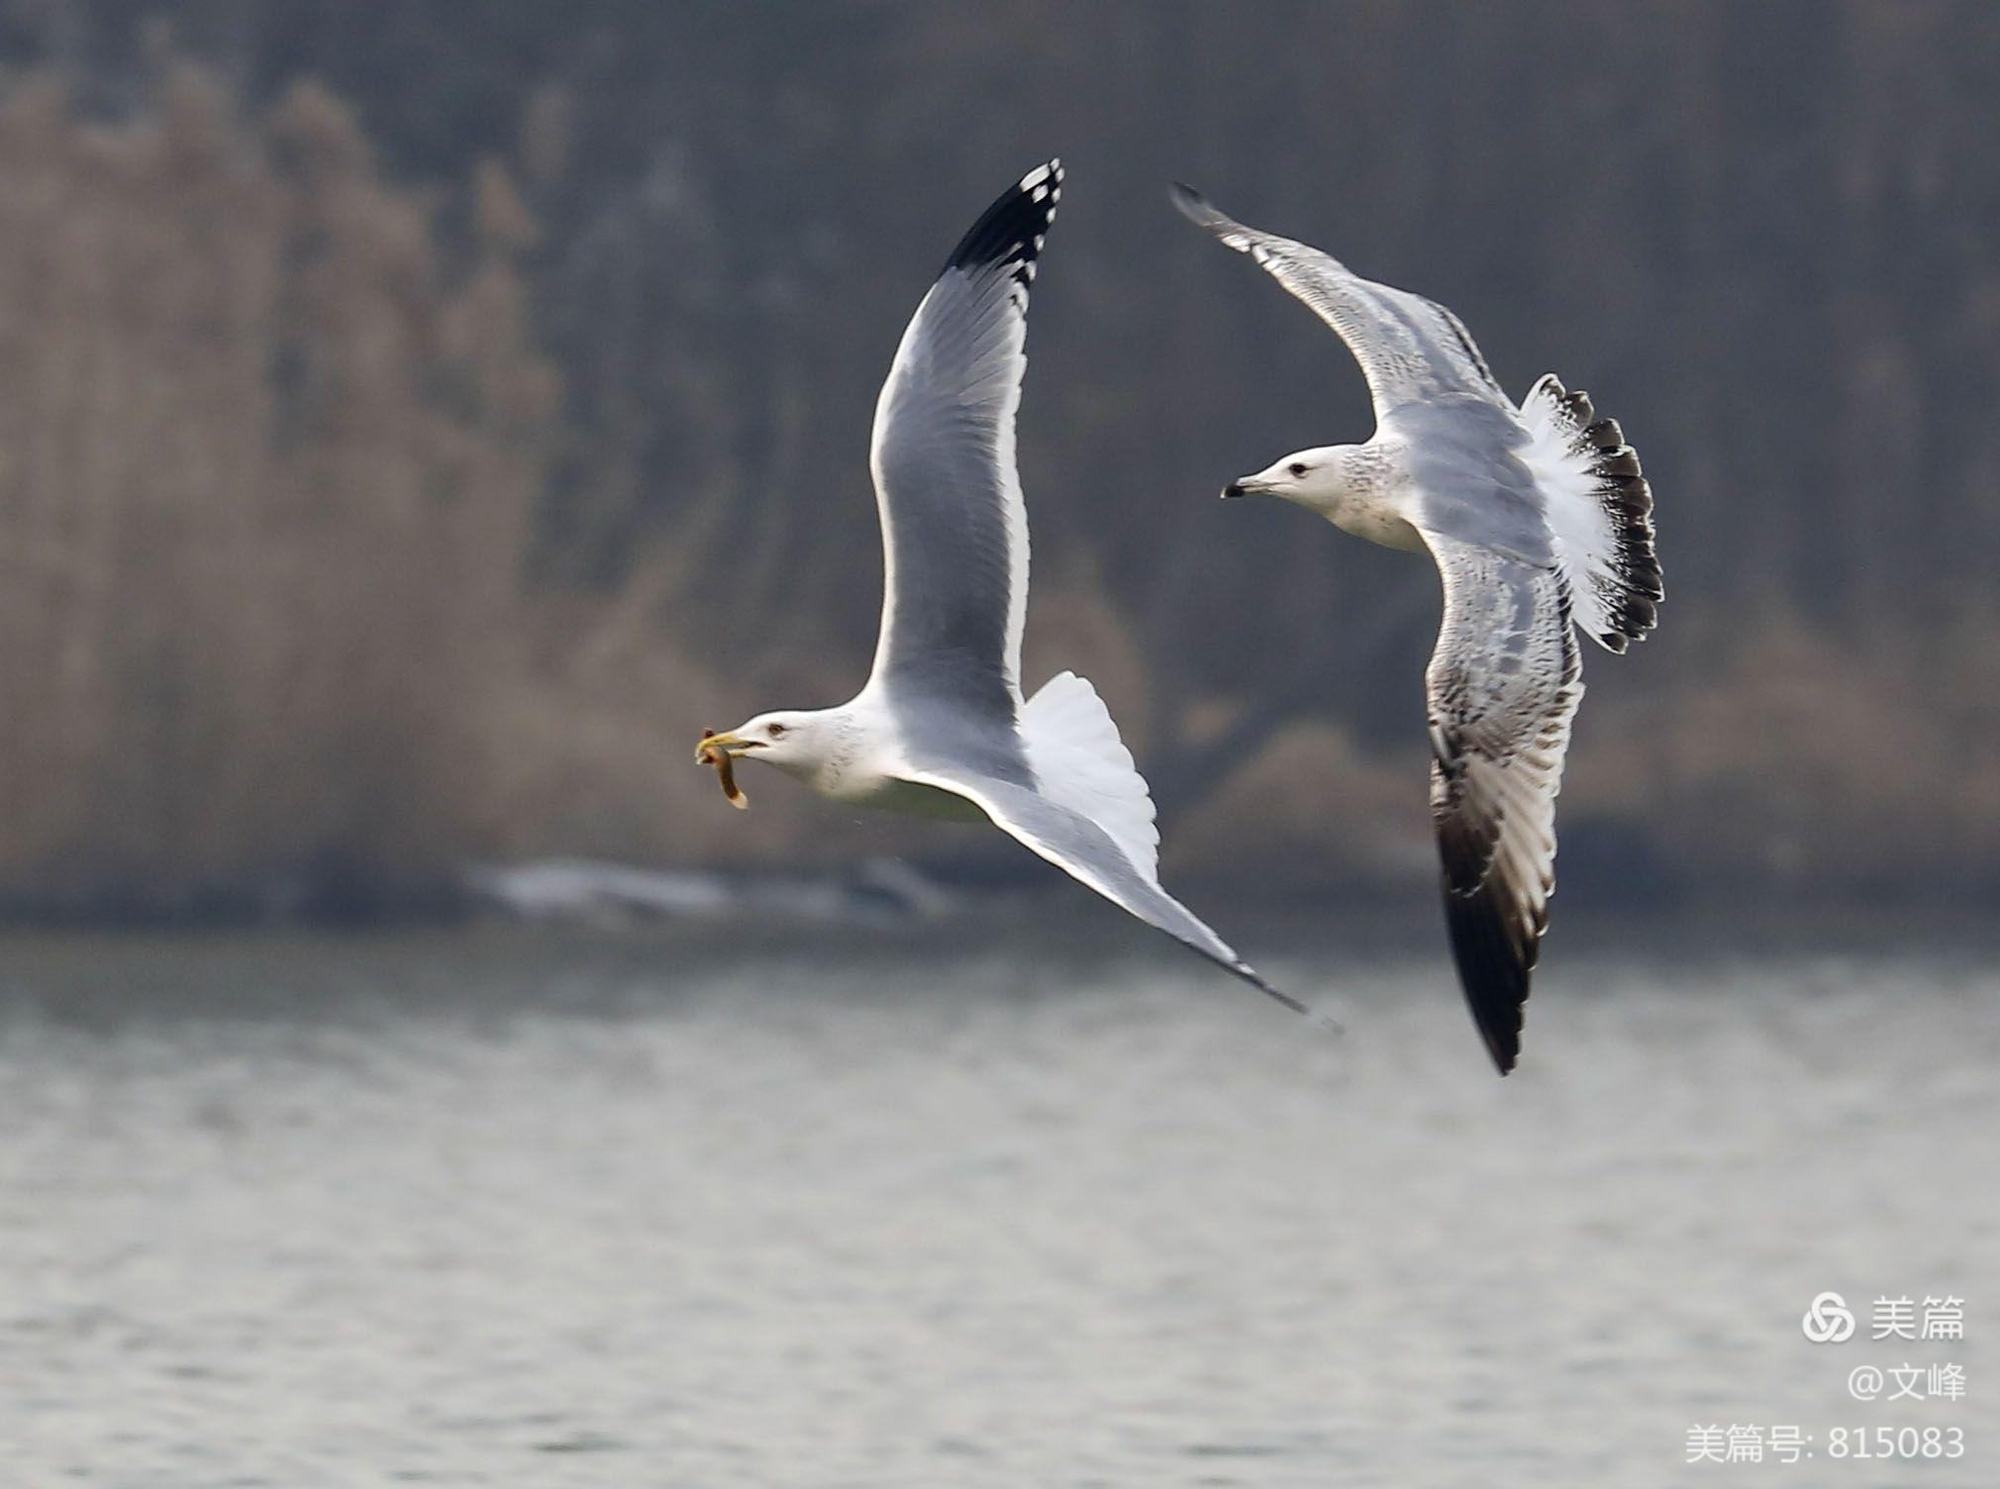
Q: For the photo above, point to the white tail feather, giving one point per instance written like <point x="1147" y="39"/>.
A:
<point x="1600" y="509"/>
<point x="1079" y="761"/>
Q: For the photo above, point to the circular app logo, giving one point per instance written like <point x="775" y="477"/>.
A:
<point x="1828" y="1321"/>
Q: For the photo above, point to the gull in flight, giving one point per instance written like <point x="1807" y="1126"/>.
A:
<point x="941" y="728"/>
<point x="1539" y="521"/>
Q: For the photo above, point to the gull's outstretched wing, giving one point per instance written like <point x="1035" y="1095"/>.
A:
<point x="954" y="528"/>
<point x="1408" y="347"/>
<point x="1086" y="852"/>
<point x="1503" y="686"/>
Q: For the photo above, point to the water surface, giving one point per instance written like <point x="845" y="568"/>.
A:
<point x="657" y="1210"/>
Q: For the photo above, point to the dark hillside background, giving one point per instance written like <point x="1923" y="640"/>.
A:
<point x="418" y="420"/>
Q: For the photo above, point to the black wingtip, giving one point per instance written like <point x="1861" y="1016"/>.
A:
<point x="1210" y="218"/>
<point x="1278" y="995"/>
<point x="1256" y="981"/>
<point x="1192" y="204"/>
<point x="1010" y="233"/>
<point x="1493" y="969"/>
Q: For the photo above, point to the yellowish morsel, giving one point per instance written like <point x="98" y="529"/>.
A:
<point x="725" y="771"/>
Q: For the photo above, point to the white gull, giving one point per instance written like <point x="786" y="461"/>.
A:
<point x="941" y="728"/>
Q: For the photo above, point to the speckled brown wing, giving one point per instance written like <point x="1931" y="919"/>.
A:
<point x="1503" y="686"/>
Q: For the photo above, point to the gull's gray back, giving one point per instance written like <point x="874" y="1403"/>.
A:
<point x="1463" y="454"/>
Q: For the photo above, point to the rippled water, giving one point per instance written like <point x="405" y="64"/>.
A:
<point x="500" y="1209"/>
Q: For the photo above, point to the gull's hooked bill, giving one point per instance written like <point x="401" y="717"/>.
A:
<point x="716" y="749"/>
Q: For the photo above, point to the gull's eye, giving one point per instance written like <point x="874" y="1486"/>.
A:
<point x="1297" y="468"/>
<point x="774" y="730"/>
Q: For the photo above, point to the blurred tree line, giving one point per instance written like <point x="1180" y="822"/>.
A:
<point x="416" y="420"/>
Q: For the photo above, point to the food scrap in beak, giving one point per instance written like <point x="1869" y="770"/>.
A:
<point x="725" y="769"/>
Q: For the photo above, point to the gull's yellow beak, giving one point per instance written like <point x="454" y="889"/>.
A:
<point x="713" y="744"/>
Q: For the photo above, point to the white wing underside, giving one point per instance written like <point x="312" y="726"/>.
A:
<point x="1086" y="851"/>
<point x="942" y="453"/>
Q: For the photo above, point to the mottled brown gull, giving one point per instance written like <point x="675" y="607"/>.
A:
<point x="1539" y="521"/>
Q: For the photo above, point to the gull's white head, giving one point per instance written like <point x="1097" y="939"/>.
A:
<point x="798" y="742"/>
<point x="1320" y="478"/>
